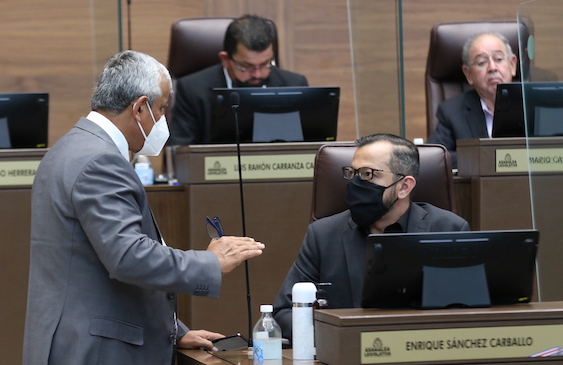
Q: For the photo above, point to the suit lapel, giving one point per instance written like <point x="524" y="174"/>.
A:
<point x="354" y="248"/>
<point x="418" y="221"/>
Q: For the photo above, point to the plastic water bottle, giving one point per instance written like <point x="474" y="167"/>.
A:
<point x="303" y="332"/>
<point x="267" y="336"/>
<point x="143" y="168"/>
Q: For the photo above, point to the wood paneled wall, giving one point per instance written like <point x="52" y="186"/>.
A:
<point x="47" y="46"/>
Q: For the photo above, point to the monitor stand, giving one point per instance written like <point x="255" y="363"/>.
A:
<point x="454" y="287"/>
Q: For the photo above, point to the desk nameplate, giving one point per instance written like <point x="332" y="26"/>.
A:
<point x="18" y="173"/>
<point x="533" y="159"/>
<point x="259" y="167"/>
<point x="462" y="344"/>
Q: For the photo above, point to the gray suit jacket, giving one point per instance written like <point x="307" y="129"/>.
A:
<point x="460" y="117"/>
<point x="101" y="285"/>
<point x="191" y="114"/>
<point x="333" y="251"/>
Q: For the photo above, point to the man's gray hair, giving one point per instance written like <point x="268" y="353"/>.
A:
<point x="467" y="46"/>
<point x="127" y="76"/>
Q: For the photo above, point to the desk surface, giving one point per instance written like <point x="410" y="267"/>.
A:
<point x="198" y="357"/>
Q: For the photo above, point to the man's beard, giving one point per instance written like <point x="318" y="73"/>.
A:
<point x="257" y="82"/>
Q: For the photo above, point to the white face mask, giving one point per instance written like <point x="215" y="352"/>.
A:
<point x="157" y="137"/>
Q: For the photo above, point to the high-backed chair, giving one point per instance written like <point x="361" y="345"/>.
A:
<point x="196" y="42"/>
<point x="444" y="77"/>
<point x="434" y="183"/>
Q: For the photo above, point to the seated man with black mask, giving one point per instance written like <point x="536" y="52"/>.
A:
<point x="246" y="61"/>
<point x="382" y="176"/>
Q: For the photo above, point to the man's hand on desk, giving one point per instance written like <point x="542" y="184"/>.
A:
<point x="196" y="339"/>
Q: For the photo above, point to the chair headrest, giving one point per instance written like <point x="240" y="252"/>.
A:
<point x="434" y="181"/>
<point x="447" y="39"/>
<point x="195" y="44"/>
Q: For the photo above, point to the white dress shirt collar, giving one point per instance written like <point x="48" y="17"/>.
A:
<point x="115" y="134"/>
<point x="488" y="118"/>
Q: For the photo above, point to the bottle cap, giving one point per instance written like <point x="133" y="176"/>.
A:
<point x="266" y="308"/>
<point x="304" y="293"/>
<point x="321" y="289"/>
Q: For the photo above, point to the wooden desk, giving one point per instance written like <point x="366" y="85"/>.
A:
<point x="505" y="195"/>
<point x="456" y="336"/>
<point x="199" y="357"/>
<point x="15" y="220"/>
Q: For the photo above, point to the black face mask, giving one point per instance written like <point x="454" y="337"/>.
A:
<point x="365" y="201"/>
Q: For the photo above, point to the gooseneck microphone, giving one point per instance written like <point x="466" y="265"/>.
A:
<point x="235" y="103"/>
<point x="129" y="24"/>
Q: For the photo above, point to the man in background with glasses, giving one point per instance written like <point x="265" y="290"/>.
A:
<point x="381" y="177"/>
<point x="487" y="61"/>
<point x="247" y="60"/>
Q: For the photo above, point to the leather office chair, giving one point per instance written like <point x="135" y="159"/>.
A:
<point x="444" y="77"/>
<point x="196" y="42"/>
<point x="434" y="183"/>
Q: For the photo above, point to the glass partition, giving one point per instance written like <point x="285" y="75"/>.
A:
<point x="377" y="64"/>
<point x="106" y="32"/>
<point x="542" y="93"/>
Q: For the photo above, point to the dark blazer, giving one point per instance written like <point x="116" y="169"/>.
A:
<point x="191" y="113"/>
<point x="460" y="117"/>
<point x="101" y="285"/>
<point x="333" y="251"/>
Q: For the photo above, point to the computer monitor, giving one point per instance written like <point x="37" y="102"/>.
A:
<point x="24" y="120"/>
<point x="545" y="102"/>
<point x="543" y="108"/>
<point x="508" y="119"/>
<point x="449" y="269"/>
<point x="275" y="114"/>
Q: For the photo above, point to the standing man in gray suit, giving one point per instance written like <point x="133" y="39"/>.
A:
<point x="102" y="280"/>
<point x="382" y="176"/>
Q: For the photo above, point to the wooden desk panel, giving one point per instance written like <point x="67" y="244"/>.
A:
<point x="199" y="357"/>
<point x="338" y="331"/>
<point x="503" y="199"/>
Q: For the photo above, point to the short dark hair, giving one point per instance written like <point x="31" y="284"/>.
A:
<point x="404" y="158"/>
<point x="253" y="32"/>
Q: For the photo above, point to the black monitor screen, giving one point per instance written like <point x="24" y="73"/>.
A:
<point x="544" y="105"/>
<point x="275" y="114"/>
<point x="449" y="269"/>
<point x="24" y="120"/>
<point x="543" y="108"/>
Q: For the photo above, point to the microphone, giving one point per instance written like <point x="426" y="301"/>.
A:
<point x="234" y="98"/>
<point x="235" y="103"/>
<point x="129" y="24"/>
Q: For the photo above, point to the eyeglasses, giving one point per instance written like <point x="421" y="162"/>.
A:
<point x="252" y="68"/>
<point x="481" y="62"/>
<point x="364" y="173"/>
<point x="214" y="227"/>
